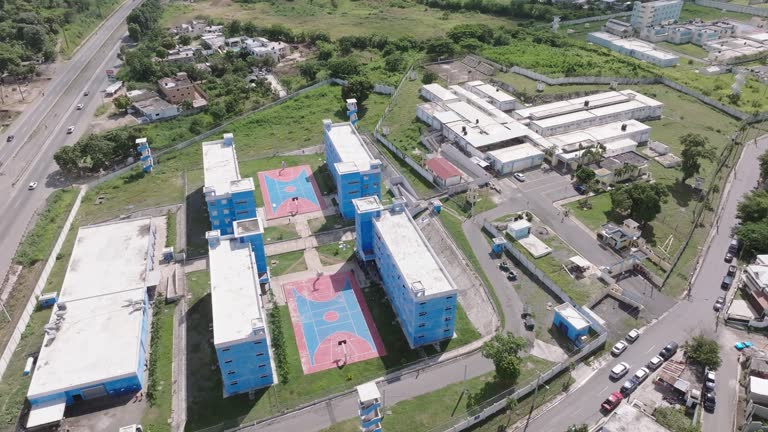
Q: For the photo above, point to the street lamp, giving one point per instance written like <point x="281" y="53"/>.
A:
<point x="533" y="401"/>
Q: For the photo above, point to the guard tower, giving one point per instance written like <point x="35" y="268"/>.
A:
<point x="352" y="111"/>
<point x="369" y="407"/>
<point x="148" y="162"/>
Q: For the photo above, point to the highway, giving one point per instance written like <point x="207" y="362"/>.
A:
<point x="685" y="319"/>
<point x="41" y="129"/>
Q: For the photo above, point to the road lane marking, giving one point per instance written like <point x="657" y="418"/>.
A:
<point x="604" y="389"/>
<point x="650" y="349"/>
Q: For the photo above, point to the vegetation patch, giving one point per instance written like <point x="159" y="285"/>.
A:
<point x="38" y="242"/>
<point x="160" y="386"/>
<point x="289" y="262"/>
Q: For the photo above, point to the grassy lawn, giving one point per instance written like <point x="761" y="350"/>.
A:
<point x="439" y="409"/>
<point x="336" y="253"/>
<point x="691" y="11"/>
<point x="160" y="386"/>
<point x="339" y="18"/>
<point x="207" y="407"/>
<point x="280" y="233"/>
<point x="460" y="204"/>
<point x="289" y="262"/>
<point x="170" y="224"/>
<point x="404" y="128"/>
<point x="689" y="49"/>
<point x="102" y="109"/>
<point x="328" y="223"/>
<point x="453" y="226"/>
<point x="421" y="186"/>
<point x="83" y="24"/>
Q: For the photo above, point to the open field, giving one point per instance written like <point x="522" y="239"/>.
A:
<point x="161" y="362"/>
<point x="328" y="223"/>
<point x="279" y="233"/>
<point x="289" y="262"/>
<point x="688" y="49"/>
<point x="206" y="406"/>
<point x="83" y="24"/>
<point x="439" y="409"/>
<point x="391" y="17"/>
<point x="336" y="253"/>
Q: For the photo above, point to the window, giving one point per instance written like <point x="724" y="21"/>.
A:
<point x="420" y="337"/>
<point x="225" y="349"/>
<point x="225" y="211"/>
<point x="241" y="202"/>
<point x="262" y="366"/>
<point x="264" y="376"/>
<point x="353" y="182"/>
<point x="449" y="297"/>
<point x="449" y="308"/>
<point x="228" y="362"/>
<point x="259" y="354"/>
<point x="233" y="383"/>
<point x="258" y="342"/>
<point x="447" y="319"/>
<point x="422" y="314"/>
<point x="422" y="303"/>
<point x="227" y="220"/>
<point x="223" y="202"/>
<point x="242" y="212"/>
<point x="421" y="325"/>
<point x="214" y="213"/>
<point x="231" y="373"/>
<point x="446" y="330"/>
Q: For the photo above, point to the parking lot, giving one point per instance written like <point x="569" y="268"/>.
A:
<point x="544" y="182"/>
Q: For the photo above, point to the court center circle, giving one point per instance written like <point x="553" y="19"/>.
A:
<point x="331" y="316"/>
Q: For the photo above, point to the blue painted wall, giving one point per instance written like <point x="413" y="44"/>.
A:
<point x="222" y="211"/>
<point x="257" y="246"/>
<point x="566" y="327"/>
<point x="364" y="234"/>
<point x="350" y="185"/>
<point x="245" y="366"/>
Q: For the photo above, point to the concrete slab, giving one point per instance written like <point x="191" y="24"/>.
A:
<point x="549" y="352"/>
<point x="536" y="247"/>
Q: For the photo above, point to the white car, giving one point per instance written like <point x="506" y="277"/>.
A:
<point x="70" y="129"/>
<point x="619" y="348"/>
<point x="32" y="186"/>
<point x="619" y="370"/>
<point x="655" y="362"/>
<point x="641" y="375"/>
<point x="519" y="176"/>
<point x="79" y="106"/>
<point x="632" y="335"/>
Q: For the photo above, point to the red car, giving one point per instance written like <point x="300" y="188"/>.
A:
<point x="612" y="402"/>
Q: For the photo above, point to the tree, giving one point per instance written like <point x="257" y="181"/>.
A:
<point x="161" y="53"/>
<point x="753" y="237"/>
<point x="134" y="32"/>
<point x="754" y="207"/>
<point x="185" y="39"/>
<point x="704" y="351"/>
<point x="694" y="149"/>
<point x="325" y="51"/>
<point x="308" y="70"/>
<point x="186" y="105"/>
<point x="641" y="201"/>
<point x="68" y="160"/>
<point x="462" y="32"/>
<point x="343" y="68"/>
<point x="585" y="175"/>
<point x="440" y="47"/>
<point x="429" y="77"/>
<point x="121" y="102"/>
<point x="503" y="349"/>
<point x="357" y="88"/>
<point x="394" y="62"/>
<point x="764" y="166"/>
<point x="578" y="428"/>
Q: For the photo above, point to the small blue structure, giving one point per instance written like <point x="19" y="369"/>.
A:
<point x="498" y="245"/>
<point x="147" y="161"/>
<point x="437" y="206"/>
<point x="47" y="300"/>
<point x="519" y="229"/>
<point x="369" y="407"/>
<point x="571" y="322"/>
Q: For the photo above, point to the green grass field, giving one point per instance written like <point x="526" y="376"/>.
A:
<point x="688" y="49"/>
<point x="289" y="262"/>
<point x="336" y="253"/>
<point x="278" y="233"/>
<point x="439" y="409"/>
<point x="83" y="24"/>
<point x="394" y="18"/>
<point x="161" y="362"/>
<point x="328" y="223"/>
<point x="207" y="407"/>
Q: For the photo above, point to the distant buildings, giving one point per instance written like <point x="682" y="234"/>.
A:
<point x="174" y="90"/>
<point x="422" y="293"/>
<point x="655" y="13"/>
<point x="355" y="171"/>
<point x="180" y="88"/>
<point x="152" y="107"/>
<point x="634" y="48"/>
<point x="95" y="343"/>
<point x="258" y="47"/>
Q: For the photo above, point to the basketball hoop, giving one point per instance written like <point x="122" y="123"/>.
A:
<point x="342" y="349"/>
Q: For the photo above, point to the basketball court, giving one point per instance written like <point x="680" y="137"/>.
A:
<point x="289" y="191"/>
<point x="331" y="321"/>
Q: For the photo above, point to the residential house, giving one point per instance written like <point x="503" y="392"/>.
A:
<point x="619" y="237"/>
<point x="180" y="88"/>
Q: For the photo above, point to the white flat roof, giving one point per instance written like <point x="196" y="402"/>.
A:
<point x="758" y="385"/>
<point x="515" y="152"/>
<point x="495" y="93"/>
<point x="602" y="134"/>
<point x="97" y="341"/>
<point x="564" y="119"/>
<point x="350" y="146"/>
<point x="494" y="113"/>
<point x="108" y="258"/>
<point x="46" y="413"/>
<point x="570" y="105"/>
<point x="235" y="300"/>
<point x="221" y="170"/>
<point x="368" y="392"/>
<point x="440" y="92"/>
<point x="367" y="203"/>
<point x="577" y="320"/>
<point x="412" y="254"/>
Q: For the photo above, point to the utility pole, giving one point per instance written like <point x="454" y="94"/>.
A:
<point x="533" y="403"/>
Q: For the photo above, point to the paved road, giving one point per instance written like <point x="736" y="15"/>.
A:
<point x="41" y="129"/>
<point x="685" y="319"/>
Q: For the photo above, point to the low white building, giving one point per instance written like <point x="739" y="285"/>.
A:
<point x="437" y="93"/>
<point x="515" y="158"/>
<point x="735" y="50"/>
<point x="155" y="108"/>
<point x="635" y="48"/>
<point x="260" y="47"/>
<point x="496" y="96"/>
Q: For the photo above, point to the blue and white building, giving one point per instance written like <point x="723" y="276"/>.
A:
<point x="240" y="333"/>
<point x="229" y="197"/>
<point x="356" y="173"/>
<point x="655" y="13"/>
<point x="421" y="291"/>
<point x="95" y="342"/>
<point x="147" y="161"/>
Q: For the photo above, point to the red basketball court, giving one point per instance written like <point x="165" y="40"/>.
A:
<point x="289" y="191"/>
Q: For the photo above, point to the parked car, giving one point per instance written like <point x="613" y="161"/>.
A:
<point x="719" y="304"/>
<point x="641" y="375"/>
<point x="529" y="323"/>
<point x="611" y="402"/>
<point x="632" y="335"/>
<point x="619" y="370"/>
<point x="709" y="381"/>
<point x="728" y="257"/>
<point x="86" y="93"/>
<point x="619" y="348"/>
<point x="709" y="402"/>
<point x="70" y="129"/>
<point x="734" y="246"/>
<point x="519" y="176"/>
<point x="79" y="106"/>
<point x="32" y="186"/>
<point x="668" y="351"/>
<point x="655" y="362"/>
<point x="10" y="138"/>
<point x="511" y="275"/>
<point x="726" y="283"/>
<point x="731" y="270"/>
<point x="741" y="345"/>
<point x="629" y="386"/>
<point x="580" y="188"/>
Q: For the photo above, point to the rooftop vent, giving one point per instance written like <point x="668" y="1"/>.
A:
<point x="586" y="103"/>
<point x="623" y="127"/>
